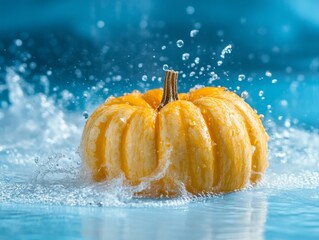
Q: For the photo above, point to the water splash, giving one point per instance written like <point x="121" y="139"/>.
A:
<point x="44" y="166"/>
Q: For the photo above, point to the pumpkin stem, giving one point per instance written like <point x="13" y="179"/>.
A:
<point x="170" y="88"/>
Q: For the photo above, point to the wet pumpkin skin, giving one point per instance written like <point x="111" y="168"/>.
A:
<point x="209" y="139"/>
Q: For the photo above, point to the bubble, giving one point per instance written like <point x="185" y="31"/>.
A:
<point x="144" y="77"/>
<point x="190" y="10"/>
<point x="241" y="77"/>
<point x="185" y="56"/>
<point x="100" y="24"/>
<point x="219" y="63"/>
<point x="140" y="65"/>
<point x="244" y="94"/>
<point x="165" y="67"/>
<point x="163" y="47"/>
<point x="192" y="74"/>
<point x="261" y="116"/>
<point x="85" y="115"/>
<point x="261" y="93"/>
<point x="274" y="81"/>
<point x="180" y="43"/>
<point x="197" y="60"/>
<point x="193" y="33"/>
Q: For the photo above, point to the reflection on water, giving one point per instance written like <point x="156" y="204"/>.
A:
<point x="240" y="217"/>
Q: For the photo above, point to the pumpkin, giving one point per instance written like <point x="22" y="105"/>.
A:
<point x="207" y="141"/>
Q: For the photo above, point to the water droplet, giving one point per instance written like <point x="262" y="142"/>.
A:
<point x="284" y="103"/>
<point x="193" y="33"/>
<point x="244" y="94"/>
<point x="165" y="67"/>
<point x="85" y="115"/>
<point x="185" y="56"/>
<point x="288" y="69"/>
<point x="105" y="90"/>
<point x="268" y="74"/>
<point x="274" y="81"/>
<point x="219" y="63"/>
<point x="287" y="123"/>
<point x="100" y="24"/>
<point x="226" y="50"/>
<point x="163" y="47"/>
<point x="180" y="43"/>
<point x="190" y="10"/>
<point x="214" y="75"/>
<point x="144" y="77"/>
<point x="241" y="77"/>
<point x="18" y="42"/>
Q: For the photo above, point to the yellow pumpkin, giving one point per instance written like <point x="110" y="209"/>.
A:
<point x="208" y="140"/>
